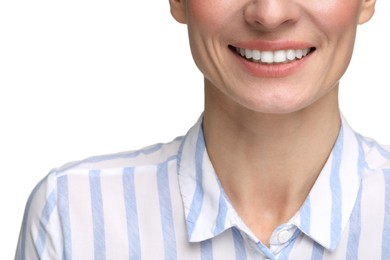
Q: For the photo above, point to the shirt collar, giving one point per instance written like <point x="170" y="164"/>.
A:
<point x="326" y="211"/>
<point x="323" y="216"/>
<point x="208" y="211"/>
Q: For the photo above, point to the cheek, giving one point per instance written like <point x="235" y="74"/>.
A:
<point x="335" y="15"/>
<point x="208" y="15"/>
<point x="207" y="20"/>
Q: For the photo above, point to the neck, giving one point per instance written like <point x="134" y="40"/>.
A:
<point x="267" y="163"/>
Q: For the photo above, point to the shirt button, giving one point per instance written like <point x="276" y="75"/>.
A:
<point x="284" y="236"/>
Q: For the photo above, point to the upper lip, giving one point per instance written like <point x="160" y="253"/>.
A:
<point x="272" y="45"/>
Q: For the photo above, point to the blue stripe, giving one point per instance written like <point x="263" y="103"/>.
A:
<point x="63" y="208"/>
<point x="179" y="156"/>
<point x="221" y="217"/>
<point x="355" y="219"/>
<point x="97" y="215"/>
<point x="166" y="212"/>
<point x="22" y="246"/>
<point x="206" y="250"/>
<point x="44" y="220"/>
<point x="305" y="214"/>
<point x="335" y="186"/>
<point x="266" y="251"/>
<point x="239" y="244"/>
<point x="131" y="213"/>
<point x="197" y="200"/>
<point x="354" y="230"/>
<point x="318" y="251"/>
<point x="386" y="223"/>
<point x="362" y="164"/>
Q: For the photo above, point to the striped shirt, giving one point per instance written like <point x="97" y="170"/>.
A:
<point x="165" y="202"/>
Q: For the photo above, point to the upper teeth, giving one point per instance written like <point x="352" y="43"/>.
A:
<point x="278" y="56"/>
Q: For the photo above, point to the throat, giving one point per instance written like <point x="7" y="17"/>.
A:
<point x="263" y="207"/>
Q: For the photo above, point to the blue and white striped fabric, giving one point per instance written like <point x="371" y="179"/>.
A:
<point x="165" y="202"/>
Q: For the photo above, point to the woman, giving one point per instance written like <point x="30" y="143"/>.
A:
<point x="271" y="170"/>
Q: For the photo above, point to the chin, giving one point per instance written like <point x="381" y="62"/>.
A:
<point x="277" y="105"/>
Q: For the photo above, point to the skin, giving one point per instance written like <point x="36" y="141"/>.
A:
<point x="268" y="136"/>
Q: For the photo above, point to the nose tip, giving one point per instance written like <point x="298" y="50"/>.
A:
<point x="271" y="14"/>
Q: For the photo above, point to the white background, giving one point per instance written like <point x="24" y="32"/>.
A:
<point x="80" y="78"/>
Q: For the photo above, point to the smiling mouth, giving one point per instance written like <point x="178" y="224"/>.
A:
<point x="272" y="57"/>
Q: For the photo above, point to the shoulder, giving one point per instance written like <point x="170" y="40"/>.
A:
<point x="147" y="156"/>
<point x="78" y="176"/>
<point x="70" y="191"/>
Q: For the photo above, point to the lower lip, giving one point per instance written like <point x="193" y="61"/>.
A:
<point x="275" y="70"/>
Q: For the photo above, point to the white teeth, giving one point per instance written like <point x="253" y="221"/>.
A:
<point x="248" y="54"/>
<point x="269" y="57"/>
<point x="256" y="55"/>
<point x="280" y="56"/>
<point x="242" y="52"/>
<point x="290" y="55"/>
<point x="299" y="54"/>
